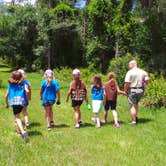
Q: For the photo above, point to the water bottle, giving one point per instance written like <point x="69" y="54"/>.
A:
<point x="89" y="106"/>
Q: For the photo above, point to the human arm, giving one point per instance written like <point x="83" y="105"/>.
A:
<point x="126" y="87"/>
<point x="6" y="99"/>
<point x="59" y="95"/>
<point x="120" y="91"/>
<point x="68" y="95"/>
<point x="41" y="92"/>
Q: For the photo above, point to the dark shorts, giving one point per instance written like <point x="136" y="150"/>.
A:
<point x="76" y="103"/>
<point x="135" y="95"/>
<point x="47" y="103"/>
<point x="17" y="109"/>
<point x="110" y="104"/>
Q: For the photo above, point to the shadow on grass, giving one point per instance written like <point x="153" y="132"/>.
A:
<point x="87" y="125"/>
<point x="61" y="126"/>
<point x="34" y="133"/>
<point x="34" y="124"/>
<point x="144" y="120"/>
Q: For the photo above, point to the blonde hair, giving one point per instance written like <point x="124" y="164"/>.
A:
<point x="111" y="75"/>
<point x="49" y="76"/>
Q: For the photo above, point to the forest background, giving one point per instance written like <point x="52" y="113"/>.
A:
<point x="101" y="36"/>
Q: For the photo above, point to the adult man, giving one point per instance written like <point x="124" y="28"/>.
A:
<point x="135" y="81"/>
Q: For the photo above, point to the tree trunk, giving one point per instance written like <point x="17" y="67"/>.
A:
<point x="117" y="51"/>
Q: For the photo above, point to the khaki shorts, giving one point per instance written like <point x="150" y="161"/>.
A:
<point x="135" y="95"/>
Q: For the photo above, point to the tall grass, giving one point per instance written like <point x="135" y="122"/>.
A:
<point x="143" y="144"/>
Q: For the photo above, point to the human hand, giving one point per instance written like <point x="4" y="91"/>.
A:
<point x="58" y="102"/>
<point x="7" y="106"/>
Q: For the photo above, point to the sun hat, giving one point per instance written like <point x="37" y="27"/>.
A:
<point x="76" y="72"/>
<point x="48" y="73"/>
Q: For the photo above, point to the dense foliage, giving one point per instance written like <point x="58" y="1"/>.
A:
<point x="155" y="95"/>
<point x="54" y="34"/>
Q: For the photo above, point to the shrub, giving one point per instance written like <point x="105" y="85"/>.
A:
<point x="155" y="94"/>
<point x="120" y="66"/>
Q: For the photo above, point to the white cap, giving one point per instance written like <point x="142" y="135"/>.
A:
<point x="76" y="72"/>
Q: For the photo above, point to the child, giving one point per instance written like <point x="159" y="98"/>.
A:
<point x="111" y="90"/>
<point x="24" y="110"/>
<point x="49" y="89"/>
<point x="97" y="98"/>
<point x="78" y="93"/>
<point x="16" y="97"/>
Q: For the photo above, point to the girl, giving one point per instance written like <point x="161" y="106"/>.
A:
<point x="24" y="110"/>
<point x="48" y="91"/>
<point x="78" y="93"/>
<point x="111" y="90"/>
<point x="97" y="98"/>
<point x="16" y="97"/>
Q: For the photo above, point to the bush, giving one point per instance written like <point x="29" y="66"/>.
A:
<point x="155" y="94"/>
<point x="121" y="65"/>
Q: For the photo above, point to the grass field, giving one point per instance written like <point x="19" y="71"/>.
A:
<point x="142" y="145"/>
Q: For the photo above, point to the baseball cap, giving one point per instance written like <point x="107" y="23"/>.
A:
<point x="76" y="72"/>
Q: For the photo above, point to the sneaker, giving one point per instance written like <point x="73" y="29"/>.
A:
<point x="18" y="133"/>
<point x="80" y="123"/>
<point x="52" y="123"/>
<point x="25" y="137"/>
<point x="77" y="126"/>
<point x="49" y="128"/>
<point x="27" y="124"/>
<point x="133" y="123"/>
<point x="103" y="121"/>
<point x="98" y="126"/>
<point x="116" y="125"/>
<point x="93" y="119"/>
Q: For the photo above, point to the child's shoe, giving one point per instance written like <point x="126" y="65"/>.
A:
<point x="25" y="137"/>
<point x="116" y="125"/>
<point x="26" y="124"/>
<point x="93" y="119"/>
<point x="18" y="133"/>
<point x="77" y="126"/>
<point x="103" y="121"/>
<point x="52" y="123"/>
<point x="80" y="123"/>
<point x="98" y="126"/>
<point x="133" y="123"/>
<point x="49" y="128"/>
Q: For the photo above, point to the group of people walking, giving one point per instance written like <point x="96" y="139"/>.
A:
<point x="19" y="93"/>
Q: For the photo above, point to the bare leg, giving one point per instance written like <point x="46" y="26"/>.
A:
<point x="51" y="114"/>
<point x="77" y="114"/>
<point x="115" y="116"/>
<point x="19" y="124"/>
<point x="105" y="116"/>
<point x="133" y="111"/>
<point x="97" y="120"/>
<point x="24" y="111"/>
<point x="47" y="115"/>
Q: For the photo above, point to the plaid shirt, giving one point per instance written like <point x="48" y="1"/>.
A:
<point x="78" y="94"/>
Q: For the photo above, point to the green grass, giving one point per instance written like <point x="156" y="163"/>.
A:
<point x="142" y="145"/>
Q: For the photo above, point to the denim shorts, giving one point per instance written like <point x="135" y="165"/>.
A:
<point x="47" y="103"/>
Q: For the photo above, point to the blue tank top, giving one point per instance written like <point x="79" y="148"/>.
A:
<point x="17" y="94"/>
<point x="97" y="94"/>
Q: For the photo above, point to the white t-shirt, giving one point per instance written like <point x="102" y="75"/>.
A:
<point x="135" y="77"/>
